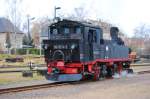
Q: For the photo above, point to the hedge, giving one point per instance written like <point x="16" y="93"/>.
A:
<point x="24" y="51"/>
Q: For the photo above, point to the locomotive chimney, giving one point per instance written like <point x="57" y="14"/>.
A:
<point x="114" y="33"/>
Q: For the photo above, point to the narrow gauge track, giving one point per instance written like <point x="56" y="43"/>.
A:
<point x="49" y="85"/>
<point x="140" y="64"/>
<point x="144" y="72"/>
<point x="9" y="66"/>
<point x="32" y="87"/>
<point x="15" y="71"/>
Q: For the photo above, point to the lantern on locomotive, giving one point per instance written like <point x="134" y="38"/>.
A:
<point x="76" y="50"/>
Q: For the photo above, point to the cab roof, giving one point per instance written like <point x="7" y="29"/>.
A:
<point x="75" y="23"/>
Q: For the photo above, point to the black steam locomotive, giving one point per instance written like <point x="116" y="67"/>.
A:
<point x="77" y="51"/>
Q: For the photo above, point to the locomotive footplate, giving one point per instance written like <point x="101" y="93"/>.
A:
<point x="64" y="77"/>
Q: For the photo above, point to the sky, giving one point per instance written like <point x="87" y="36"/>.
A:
<point x="126" y="14"/>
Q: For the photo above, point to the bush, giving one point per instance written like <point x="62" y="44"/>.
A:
<point x="21" y="51"/>
<point x="34" y="51"/>
<point x="3" y="56"/>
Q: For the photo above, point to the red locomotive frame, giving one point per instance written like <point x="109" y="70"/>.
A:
<point x="93" y="67"/>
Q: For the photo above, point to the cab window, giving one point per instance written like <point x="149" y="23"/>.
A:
<point x="92" y="36"/>
<point x="66" y="30"/>
<point x="55" y="31"/>
<point x="78" y="30"/>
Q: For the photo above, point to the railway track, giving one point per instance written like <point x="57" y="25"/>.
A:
<point x="144" y="72"/>
<point x="9" y="66"/>
<point x="41" y="86"/>
<point x="141" y="64"/>
<point x="32" y="87"/>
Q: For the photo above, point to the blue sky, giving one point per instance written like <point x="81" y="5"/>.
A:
<point x="127" y="14"/>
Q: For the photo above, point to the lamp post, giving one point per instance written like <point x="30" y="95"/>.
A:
<point x="55" y="9"/>
<point x="28" y="20"/>
<point x="15" y="45"/>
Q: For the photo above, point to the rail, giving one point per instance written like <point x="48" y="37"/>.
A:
<point x="140" y="64"/>
<point x="32" y="87"/>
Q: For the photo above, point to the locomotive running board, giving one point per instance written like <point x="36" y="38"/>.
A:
<point x="64" y="77"/>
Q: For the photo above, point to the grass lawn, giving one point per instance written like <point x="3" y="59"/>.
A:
<point x="14" y="69"/>
<point x="6" y="78"/>
<point x="27" y="58"/>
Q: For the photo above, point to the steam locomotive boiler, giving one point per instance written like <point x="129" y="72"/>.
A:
<point x="77" y="51"/>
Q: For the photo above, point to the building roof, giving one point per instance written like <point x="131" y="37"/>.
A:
<point x="7" y="26"/>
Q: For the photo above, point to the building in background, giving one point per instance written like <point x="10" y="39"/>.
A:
<point x="7" y="28"/>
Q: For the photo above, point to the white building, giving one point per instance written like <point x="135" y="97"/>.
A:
<point x="7" y="28"/>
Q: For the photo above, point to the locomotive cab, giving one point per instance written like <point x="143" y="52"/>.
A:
<point x="64" y="41"/>
<point x="62" y="49"/>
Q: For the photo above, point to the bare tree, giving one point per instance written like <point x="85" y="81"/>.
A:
<point x="14" y="9"/>
<point x="8" y="42"/>
<point x="36" y="34"/>
<point x="39" y="29"/>
<point x="78" y="14"/>
<point x="142" y="33"/>
<point x="1" y="49"/>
